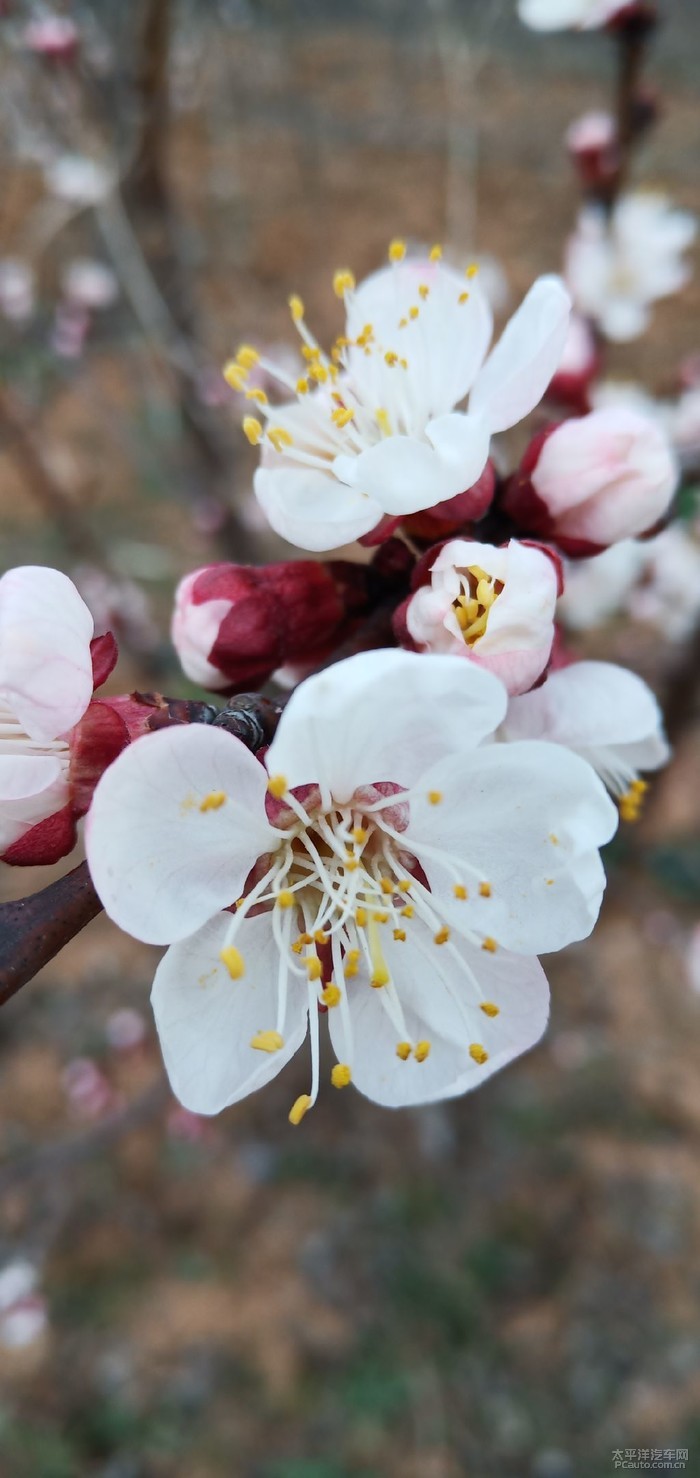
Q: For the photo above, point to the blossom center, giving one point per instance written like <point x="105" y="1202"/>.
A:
<point x="478" y="593"/>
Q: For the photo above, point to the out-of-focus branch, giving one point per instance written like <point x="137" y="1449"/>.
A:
<point x="21" y="443"/>
<point x="54" y="1158"/>
<point x="632" y="40"/>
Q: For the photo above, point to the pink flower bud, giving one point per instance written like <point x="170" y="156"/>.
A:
<point x="592" y="144"/>
<point x="233" y="625"/>
<point x="588" y="483"/>
<point x="578" y="366"/>
<point x="493" y="606"/>
<point x="54" y="37"/>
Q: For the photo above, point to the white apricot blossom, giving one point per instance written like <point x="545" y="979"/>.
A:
<point x="566" y="15"/>
<point x="373" y="429"/>
<point x="493" y="605"/>
<point x="618" y="265"/>
<point x="385" y="863"/>
<point x="602" y="712"/>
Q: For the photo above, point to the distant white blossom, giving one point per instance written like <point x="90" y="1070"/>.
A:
<point x="617" y="267"/>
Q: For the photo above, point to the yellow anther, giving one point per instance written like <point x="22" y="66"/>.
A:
<point x="403" y="1050"/>
<point x="306" y="938"/>
<point x="489" y="945"/>
<point x="310" y="352"/>
<point x="413" y="313"/>
<point x="421" y="1051"/>
<point x="285" y="898"/>
<point x="342" y="418"/>
<point x="296" y="307"/>
<point x="359" y="835"/>
<point x="380" y="918"/>
<point x="351" y="963"/>
<point x="319" y="373"/>
<point x="233" y="960"/>
<point x="320" y="937"/>
<point x="435" y="797"/>
<point x="279" y="437"/>
<point x="343" y="282"/>
<point x="298" y="945"/>
<point x="330" y="995"/>
<point x="382" y="419"/>
<point x="387" y="886"/>
<point x="258" y="396"/>
<point x="247" y="357"/>
<point x="341" y="1075"/>
<point x="313" y="967"/>
<point x="442" y="935"/>
<point x="300" y="1107"/>
<point x="405" y="885"/>
<point x="234" y="375"/>
<point x="639" y="787"/>
<point x="213" y="801"/>
<point x="239" y="902"/>
<point x="351" y="864"/>
<point x="424" y="291"/>
<point x="408" y="911"/>
<point x="400" y="935"/>
<point x="380" y="978"/>
<point x="302" y="386"/>
<point x="478" y="1053"/>
<point x="397" y="251"/>
<point x="472" y="270"/>
<point x="462" y="299"/>
<point x="460" y="891"/>
<point x="403" y="322"/>
<point x="553" y="839"/>
<point x="252" y="428"/>
<point x="485" y="890"/>
<point x="277" y="786"/>
<point x="267" y="1041"/>
<point x="549" y="882"/>
<point x="436" y="253"/>
<point x="489" y="1009"/>
<point x="391" y="358"/>
<point x="361" y="917"/>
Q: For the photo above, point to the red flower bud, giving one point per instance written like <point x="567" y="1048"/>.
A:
<point x="446" y="518"/>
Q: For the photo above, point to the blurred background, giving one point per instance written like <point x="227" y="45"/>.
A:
<point x="502" y="1287"/>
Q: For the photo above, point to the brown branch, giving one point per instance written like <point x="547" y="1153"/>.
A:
<point x="34" y="929"/>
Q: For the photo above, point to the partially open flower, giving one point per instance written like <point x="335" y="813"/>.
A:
<point x="591" y="482"/>
<point x="493" y="606"/>
<point x="55" y="740"/>
<point x="604" y="713"/>
<point x="373" y="429"/>
<point x="233" y="625"/>
<point x="381" y="865"/>
<point x="618" y="265"/>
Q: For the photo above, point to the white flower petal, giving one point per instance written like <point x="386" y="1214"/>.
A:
<point x="529" y="818"/>
<point x="402" y="475"/>
<point x="462" y="443"/>
<point x="519" y="369"/>
<point x="32" y="787"/>
<point x="206" y="1020"/>
<point x="382" y="715"/>
<point x="313" y="509"/>
<point x="160" y="864"/>
<point x="447" y="1015"/>
<point x="590" y="706"/>
<point x="45" y="662"/>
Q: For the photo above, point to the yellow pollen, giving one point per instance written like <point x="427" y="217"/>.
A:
<point x="485" y="890"/>
<point x="382" y="419"/>
<point x="421" y="1051"/>
<point x="306" y="938"/>
<point x="302" y="386"/>
<point x="387" y="886"/>
<point x="313" y="967"/>
<point x="361" y="918"/>
<point x="460" y="891"/>
<point x="279" y="437"/>
<point x="424" y="291"/>
<point x="320" y="937"/>
<point x="549" y="882"/>
<point x="400" y="935"/>
<point x="267" y="1041"/>
<point x="472" y="271"/>
<point x="257" y="395"/>
<point x="330" y="995"/>
<point x="378" y="981"/>
<point x="342" y="418"/>
<point x="285" y="898"/>
<point x="247" y="356"/>
<point x="296" y="307"/>
<point x="343" y="282"/>
<point x="463" y="298"/>
<point x="403" y="1050"/>
<point x="554" y="840"/>
<point x="310" y="352"/>
<point x="435" y="797"/>
<point x="413" y="313"/>
<point x="300" y="1107"/>
<point x="233" y="960"/>
<point x="489" y="945"/>
<point x="436" y="253"/>
<point x="252" y="428"/>
<point x="405" y="885"/>
<point x="213" y="801"/>
<point x="391" y="358"/>
<point x="442" y="935"/>
<point x="380" y="918"/>
<point x="639" y="787"/>
<point x="352" y="960"/>
<point x="234" y="375"/>
<point x="277" y="786"/>
<point x="359" y="835"/>
<point x="351" y="864"/>
<point x="408" y="911"/>
<point x="298" y="945"/>
<point x="341" y="1075"/>
<point x="478" y="1053"/>
<point x="319" y="373"/>
<point x="489" y="1009"/>
<point x="397" y="251"/>
<point x="403" y="322"/>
